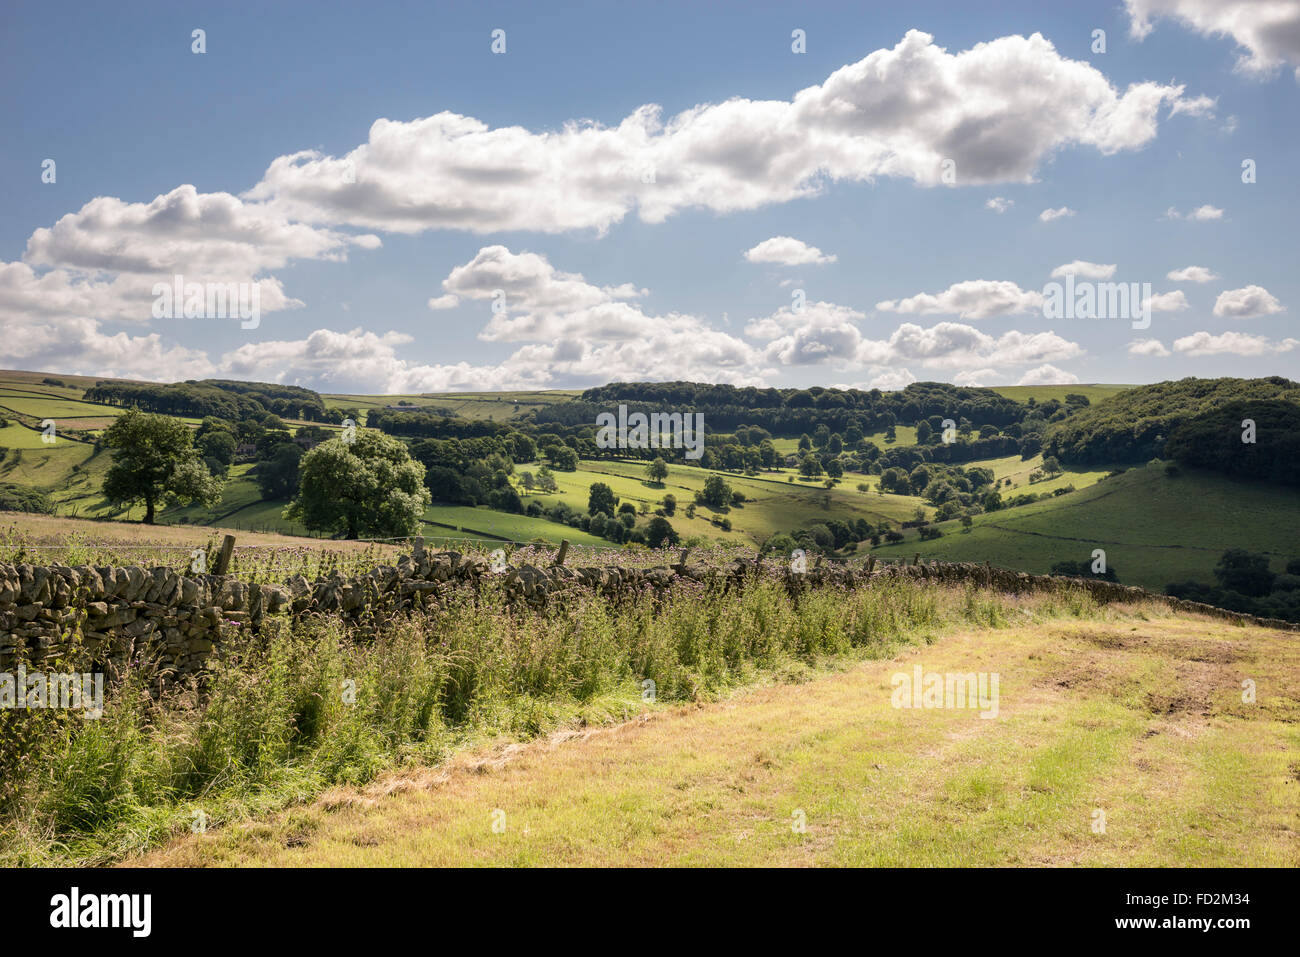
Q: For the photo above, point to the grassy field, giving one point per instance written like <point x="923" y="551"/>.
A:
<point x="1137" y="717"/>
<point x="473" y="523"/>
<point x="776" y="503"/>
<point x="493" y="406"/>
<point x="1154" y="528"/>
<point x="1041" y="393"/>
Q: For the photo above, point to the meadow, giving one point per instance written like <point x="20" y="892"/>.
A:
<point x="1121" y="740"/>
<point x="269" y="729"/>
<point x="1154" y="527"/>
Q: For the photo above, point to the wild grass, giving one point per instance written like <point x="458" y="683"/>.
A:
<point x="284" y="715"/>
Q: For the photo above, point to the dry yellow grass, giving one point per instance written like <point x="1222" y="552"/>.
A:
<point x="1138" y="715"/>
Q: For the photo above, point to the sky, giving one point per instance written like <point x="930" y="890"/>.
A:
<point x="468" y="197"/>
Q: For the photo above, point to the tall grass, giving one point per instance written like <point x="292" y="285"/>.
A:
<point x="285" y="714"/>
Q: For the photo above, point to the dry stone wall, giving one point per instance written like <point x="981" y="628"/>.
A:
<point x="177" y="621"/>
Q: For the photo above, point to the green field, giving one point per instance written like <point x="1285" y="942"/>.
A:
<point x="1041" y="393"/>
<point x="1154" y="528"/>
<point x="491" y="406"/>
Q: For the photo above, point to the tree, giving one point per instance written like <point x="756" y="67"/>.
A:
<point x="563" y="458"/>
<point x="660" y="532"/>
<point x="216" y="444"/>
<point x="506" y="499"/>
<point x="527" y="481"/>
<point x="1244" y="572"/>
<point x="546" y="480"/>
<point x="716" y="492"/>
<point x="601" y="498"/>
<point x="154" y="458"/>
<point x="657" y="470"/>
<point x="277" y="477"/>
<point x="369" y="486"/>
<point x="670" y="504"/>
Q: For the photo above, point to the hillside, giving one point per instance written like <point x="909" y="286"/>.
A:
<point x="1155" y="528"/>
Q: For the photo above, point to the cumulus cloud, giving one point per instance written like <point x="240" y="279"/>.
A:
<point x="976" y="378"/>
<point x="1191" y="274"/>
<point x="999" y="204"/>
<point x="817" y="332"/>
<point x="1268" y="33"/>
<point x="1147" y="347"/>
<point x="787" y="251"/>
<point x="973" y="299"/>
<point x="1174" y="301"/>
<point x="889" y="380"/>
<point x="1231" y="343"/>
<point x="956" y="345"/>
<point x="1048" y="375"/>
<point x="1246" y="303"/>
<point x="1085" y="269"/>
<point x="1061" y="212"/>
<point x="899" y="112"/>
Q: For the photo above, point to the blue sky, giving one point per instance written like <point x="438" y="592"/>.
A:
<point x="498" y="232"/>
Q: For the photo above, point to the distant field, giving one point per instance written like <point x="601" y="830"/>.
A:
<point x="52" y="405"/>
<point x="1155" y="529"/>
<point x="903" y="435"/>
<point x="475" y="522"/>
<point x="1041" y="393"/>
<point x="777" y="505"/>
<point x="493" y="406"/>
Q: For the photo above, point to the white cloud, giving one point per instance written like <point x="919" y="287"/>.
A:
<point x="1268" y="32"/>
<point x="1201" y="214"/>
<point x="1174" y="301"/>
<point x="1231" y="343"/>
<point x="973" y="299"/>
<point x="888" y="380"/>
<point x="1246" y="303"/>
<point x="976" y="378"/>
<point x="819" y="332"/>
<point x="1195" y="106"/>
<point x="1147" y="347"/>
<point x="787" y="251"/>
<point x="1085" y="269"/>
<point x="1191" y="274"/>
<point x="449" y="301"/>
<point x="956" y="345"/>
<point x="898" y="112"/>
<point x="999" y="204"/>
<point x="1048" y="375"/>
<point x="1062" y="212"/>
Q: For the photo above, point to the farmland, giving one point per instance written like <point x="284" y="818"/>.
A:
<point x="1154" y="527"/>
